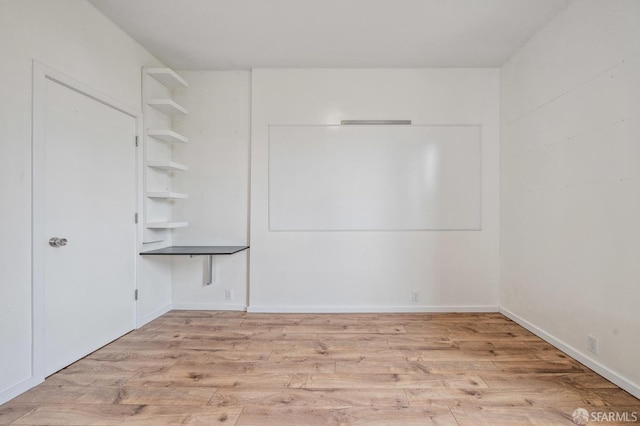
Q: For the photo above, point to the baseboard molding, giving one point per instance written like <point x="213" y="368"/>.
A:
<point x="367" y="309"/>
<point x="604" y="371"/>
<point x="8" y="394"/>
<point x="208" y="307"/>
<point x="156" y="314"/>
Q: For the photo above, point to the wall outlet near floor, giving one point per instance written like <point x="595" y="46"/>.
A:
<point x="415" y="297"/>
<point x="592" y="344"/>
<point x="228" y="295"/>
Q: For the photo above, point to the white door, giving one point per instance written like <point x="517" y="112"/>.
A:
<point x="89" y="200"/>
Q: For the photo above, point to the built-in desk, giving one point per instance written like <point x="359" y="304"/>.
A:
<point x="196" y="250"/>
<point x="208" y="251"/>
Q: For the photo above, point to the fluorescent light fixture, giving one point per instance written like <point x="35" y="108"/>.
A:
<point x="375" y="122"/>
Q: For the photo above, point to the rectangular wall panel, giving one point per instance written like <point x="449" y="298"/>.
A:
<point x="374" y="177"/>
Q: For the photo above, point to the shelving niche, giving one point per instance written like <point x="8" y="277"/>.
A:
<point x="159" y="110"/>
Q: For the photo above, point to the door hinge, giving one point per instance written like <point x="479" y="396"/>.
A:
<point x="135" y="217"/>
<point x="135" y="295"/>
<point x="136" y="141"/>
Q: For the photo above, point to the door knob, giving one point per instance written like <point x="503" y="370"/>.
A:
<point x="57" y="242"/>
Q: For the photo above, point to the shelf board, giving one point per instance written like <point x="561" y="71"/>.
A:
<point x="168" y="166"/>
<point x="167" y="106"/>
<point x="168" y="136"/>
<point x="168" y="195"/>
<point x="167" y="225"/>
<point x="167" y="77"/>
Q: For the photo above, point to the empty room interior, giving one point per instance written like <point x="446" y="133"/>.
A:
<point x="298" y="212"/>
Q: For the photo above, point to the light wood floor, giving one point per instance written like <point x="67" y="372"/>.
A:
<point x="288" y="369"/>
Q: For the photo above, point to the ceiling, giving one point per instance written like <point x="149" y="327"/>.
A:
<point x="246" y="34"/>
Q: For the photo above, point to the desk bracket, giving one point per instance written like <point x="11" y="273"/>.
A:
<point x="210" y="272"/>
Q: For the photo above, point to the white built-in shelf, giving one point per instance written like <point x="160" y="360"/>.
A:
<point x="168" y="166"/>
<point x="168" y="136"/>
<point x="167" y="225"/>
<point x="168" y="195"/>
<point x="167" y="106"/>
<point x="167" y="77"/>
<point x="162" y="102"/>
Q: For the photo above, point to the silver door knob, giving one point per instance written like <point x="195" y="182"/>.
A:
<point x="57" y="242"/>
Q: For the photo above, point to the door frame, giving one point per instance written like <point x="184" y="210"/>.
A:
<point x="42" y="73"/>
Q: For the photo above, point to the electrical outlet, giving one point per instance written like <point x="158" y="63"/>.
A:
<point x="592" y="344"/>
<point x="415" y="297"/>
<point x="228" y="295"/>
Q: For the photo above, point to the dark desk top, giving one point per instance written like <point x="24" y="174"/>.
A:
<point x="196" y="250"/>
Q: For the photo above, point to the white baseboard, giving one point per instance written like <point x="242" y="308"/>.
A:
<point x="156" y="314"/>
<point x="584" y="359"/>
<point x="8" y="394"/>
<point x="368" y="309"/>
<point x="208" y="307"/>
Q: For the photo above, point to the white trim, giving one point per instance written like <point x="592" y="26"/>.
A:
<point x="37" y="221"/>
<point x="140" y="212"/>
<point x="75" y="85"/>
<point x="208" y="307"/>
<point x="154" y="315"/>
<point x="369" y="309"/>
<point x="40" y="74"/>
<point x="10" y="393"/>
<point x="604" y="371"/>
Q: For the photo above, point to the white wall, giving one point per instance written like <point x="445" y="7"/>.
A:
<point x="74" y="38"/>
<point x="374" y="271"/>
<point x="571" y="187"/>
<point x="217" y="154"/>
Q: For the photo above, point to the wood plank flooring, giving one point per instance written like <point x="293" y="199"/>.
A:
<point x="234" y="368"/>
